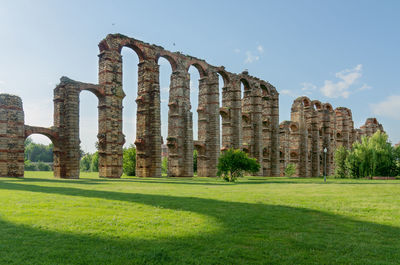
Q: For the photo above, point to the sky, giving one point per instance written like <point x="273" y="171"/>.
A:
<point x="342" y="52"/>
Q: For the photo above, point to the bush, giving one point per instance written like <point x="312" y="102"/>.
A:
<point x="164" y="165"/>
<point x="194" y="161"/>
<point x="290" y="170"/>
<point x="29" y="166"/>
<point x="94" y="166"/>
<point x="233" y="163"/>
<point x="86" y="162"/>
<point x="43" y="166"/>
<point x="129" y="161"/>
<point x="341" y="168"/>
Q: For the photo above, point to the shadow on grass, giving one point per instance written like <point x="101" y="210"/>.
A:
<point x="250" y="234"/>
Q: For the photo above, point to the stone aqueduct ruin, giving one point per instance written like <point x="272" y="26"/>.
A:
<point x="250" y="123"/>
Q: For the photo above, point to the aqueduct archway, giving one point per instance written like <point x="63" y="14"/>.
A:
<point x="249" y="122"/>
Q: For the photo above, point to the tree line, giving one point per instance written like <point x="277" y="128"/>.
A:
<point x="373" y="156"/>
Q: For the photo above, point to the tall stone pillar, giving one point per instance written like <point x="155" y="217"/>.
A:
<point x="267" y="133"/>
<point x="298" y="116"/>
<point x="180" y="126"/>
<point x="12" y="136"/>
<point x="230" y="114"/>
<point x="257" y="127"/>
<point x="66" y="121"/>
<point x="208" y="146"/>
<point x="110" y="137"/>
<point x="275" y="135"/>
<point x="148" y="125"/>
<point x="315" y="152"/>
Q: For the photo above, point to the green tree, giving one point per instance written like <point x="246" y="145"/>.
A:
<point x="374" y="156"/>
<point x="29" y="166"/>
<point x="94" y="166"/>
<point x="233" y="163"/>
<point x="164" y="165"/>
<point x="86" y="162"/>
<point x="290" y="170"/>
<point x="43" y="166"/>
<point x="341" y="168"/>
<point x="129" y="161"/>
<point x="194" y="161"/>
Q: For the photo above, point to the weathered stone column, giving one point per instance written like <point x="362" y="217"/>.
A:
<point x="12" y="136"/>
<point x="257" y="127"/>
<point x="66" y="121"/>
<point x="298" y="115"/>
<point x="231" y="114"/>
<point x="275" y="135"/>
<point x="111" y="138"/>
<point x="208" y="146"/>
<point x="180" y="126"/>
<point x="148" y="125"/>
<point x="315" y="152"/>
<point x="267" y="131"/>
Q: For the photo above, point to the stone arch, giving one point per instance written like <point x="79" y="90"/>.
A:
<point x="294" y="155"/>
<point x="172" y="61"/>
<point x="293" y="128"/>
<point x="317" y="105"/>
<point x="48" y="132"/>
<point x="199" y="65"/>
<point x="328" y="107"/>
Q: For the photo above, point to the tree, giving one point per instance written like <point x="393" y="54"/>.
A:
<point x="341" y="169"/>
<point x="129" y="161"/>
<point x="86" y="162"/>
<point x="194" y="161"/>
<point x="233" y="163"/>
<point x="290" y="170"/>
<point x="94" y="167"/>
<point x="164" y="165"/>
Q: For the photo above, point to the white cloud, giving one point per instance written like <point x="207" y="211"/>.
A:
<point x="342" y="88"/>
<point x="364" y="87"/>
<point x="250" y="57"/>
<point x="390" y="107"/>
<point x="236" y="50"/>
<point x="260" y="49"/>
<point x="2" y="82"/>
<point x="164" y="89"/>
<point x="288" y="92"/>
<point x="308" y="86"/>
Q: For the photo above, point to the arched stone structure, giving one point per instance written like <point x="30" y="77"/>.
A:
<point x="315" y="126"/>
<point x="250" y="123"/>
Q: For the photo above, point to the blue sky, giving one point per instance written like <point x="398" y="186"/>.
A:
<point x="342" y="52"/>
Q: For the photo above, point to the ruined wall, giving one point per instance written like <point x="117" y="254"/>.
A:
<point x="12" y="136"/>
<point x="316" y="127"/>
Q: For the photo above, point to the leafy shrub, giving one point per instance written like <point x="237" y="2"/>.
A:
<point x="164" y="165"/>
<point x="194" y="161"/>
<point x="43" y="166"/>
<point x="341" y="168"/>
<point x="94" y="166"/>
<point x="290" y="170"/>
<point x="233" y="163"/>
<point x="86" y="162"/>
<point x="29" y="166"/>
<point x="129" y="161"/>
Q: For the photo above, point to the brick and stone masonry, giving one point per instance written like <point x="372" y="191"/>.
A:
<point x="315" y="126"/>
<point x="250" y="123"/>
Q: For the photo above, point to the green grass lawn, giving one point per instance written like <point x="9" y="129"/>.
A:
<point x="198" y="221"/>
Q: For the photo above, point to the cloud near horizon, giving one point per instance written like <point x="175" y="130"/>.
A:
<point x="390" y="107"/>
<point x="341" y="88"/>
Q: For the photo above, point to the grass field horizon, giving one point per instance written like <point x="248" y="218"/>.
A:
<point x="257" y="220"/>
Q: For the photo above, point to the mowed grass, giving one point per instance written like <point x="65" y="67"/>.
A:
<point x="198" y="221"/>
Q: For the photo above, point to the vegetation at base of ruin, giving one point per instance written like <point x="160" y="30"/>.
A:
<point x="194" y="161"/>
<point x="35" y="152"/>
<point x="233" y="163"/>
<point x="374" y="156"/>
<point x="164" y="166"/>
<point x="255" y="220"/>
<point x="129" y="161"/>
<point x="290" y="170"/>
